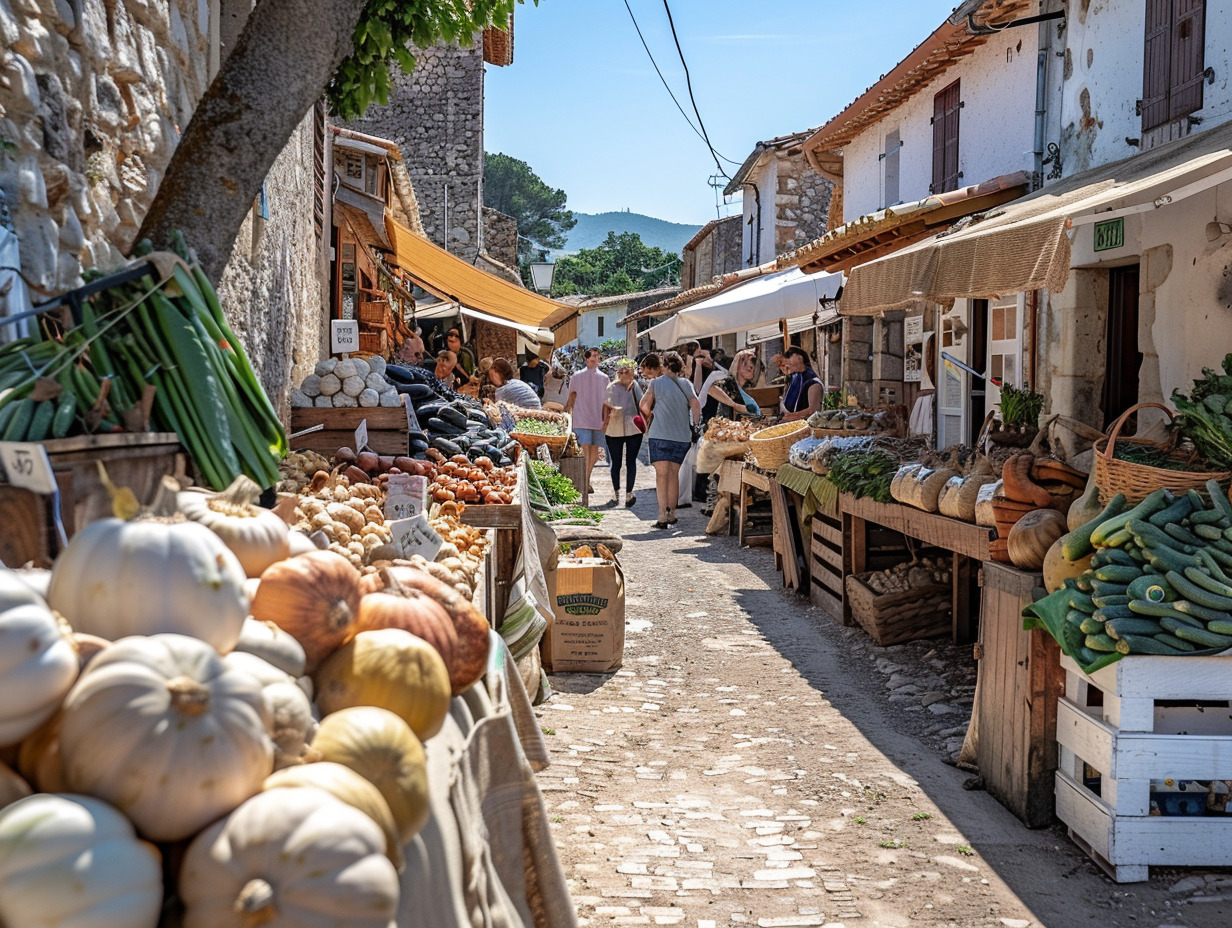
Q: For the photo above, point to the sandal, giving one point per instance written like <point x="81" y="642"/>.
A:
<point x="661" y="525"/>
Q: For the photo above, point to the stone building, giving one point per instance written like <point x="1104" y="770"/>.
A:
<point x="712" y="252"/>
<point x="92" y="99"/>
<point x="786" y="201"/>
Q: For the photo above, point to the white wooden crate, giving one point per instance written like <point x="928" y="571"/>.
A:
<point x="1131" y="739"/>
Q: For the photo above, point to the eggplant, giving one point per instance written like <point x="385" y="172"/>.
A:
<point x="452" y="414"/>
<point x="396" y="373"/>
<point x="441" y="427"/>
<point x="446" y="447"/>
<point x="420" y="392"/>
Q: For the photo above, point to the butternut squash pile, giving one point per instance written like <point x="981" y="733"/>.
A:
<point x="198" y="679"/>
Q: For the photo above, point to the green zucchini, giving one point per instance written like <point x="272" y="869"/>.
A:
<point x="1169" y="560"/>
<point x="1172" y="623"/>
<point x="40" y="422"/>
<point x="1220" y="627"/>
<point x="1136" y="554"/>
<point x="1183" y="535"/>
<point x="1077" y="544"/>
<point x="1118" y="538"/>
<point x="1196" y="498"/>
<point x="1074" y="617"/>
<point x="1203" y="637"/>
<point x="1198" y="594"/>
<point x="1157" y="610"/>
<point x="1119" y="628"/>
<point x="1151" y="536"/>
<point x="1174" y="642"/>
<point x="1101" y="643"/>
<point x="1173" y="513"/>
<point x="1219" y="498"/>
<point x="1151" y="588"/>
<point x="1205" y="613"/>
<point x="1144" y="510"/>
<point x="1108" y="588"/>
<point x="1084" y="582"/>
<point x="1209" y="517"/>
<point x="1116" y="599"/>
<point x="1087" y="656"/>
<point x="1113" y="612"/>
<point x="1203" y="579"/>
<point x="62" y="421"/>
<point x="6" y="414"/>
<point x="1081" y="601"/>
<point x="1117" y="573"/>
<point x="1091" y="625"/>
<point x="1142" y="644"/>
<point x="1208" y="532"/>
<point x="1212" y="566"/>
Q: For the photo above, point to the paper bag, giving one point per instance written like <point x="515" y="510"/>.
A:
<point x="587" y="634"/>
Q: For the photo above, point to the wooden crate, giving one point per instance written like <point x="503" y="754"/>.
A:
<point x="386" y="428"/>
<point x="1144" y="718"/>
<point x="826" y="564"/>
<point x="1020" y="680"/>
<point x="756" y="519"/>
<point x="789" y="547"/>
<point x="137" y="460"/>
<point x="892" y="618"/>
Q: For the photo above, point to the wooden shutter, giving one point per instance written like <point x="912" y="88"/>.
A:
<point x="1156" y="66"/>
<point x="890" y="157"/>
<point x="1188" y="57"/>
<point x="946" y="105"/>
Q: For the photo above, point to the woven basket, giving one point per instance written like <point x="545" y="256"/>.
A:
<point x="1137" y="481"/>
<point x="556" y="443"/>
<point x="769" y="447"/>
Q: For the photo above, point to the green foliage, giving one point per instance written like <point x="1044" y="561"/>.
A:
<point x="1206" y="415"/>
<point x="510" y="186"/>
<point x="1021" y="407"/>
<point x="386" y="31"/>
<point x="621" y="264"/>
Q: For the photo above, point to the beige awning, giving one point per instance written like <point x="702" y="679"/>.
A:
<point x="1025" y="245"/>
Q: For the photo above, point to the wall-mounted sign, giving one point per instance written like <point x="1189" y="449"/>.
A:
<point x="343" y="336"/>
<point x="1110" y="234"/>
<point x="913" y="339"/>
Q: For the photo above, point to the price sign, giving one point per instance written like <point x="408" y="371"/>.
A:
<point x="406" y="497"/>
<point x="343" y="336"/>
<point x="27" y="466"/>
<point x="361" y="436"/>
<point x="412" y="420"/>
<point x="416" y="536"/>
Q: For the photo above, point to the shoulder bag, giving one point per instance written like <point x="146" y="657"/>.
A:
<point x="695" y="430"/>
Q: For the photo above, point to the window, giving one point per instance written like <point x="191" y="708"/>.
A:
<point x="889" y="167"/>
<point x="945" y="140"/>
<point x="1173" y="59"/>
<point x="600" y="321"/>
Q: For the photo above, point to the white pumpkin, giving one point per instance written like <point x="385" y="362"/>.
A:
<point x="272" y="644"/>
<point x="290" y="709"/>
<point x="290" y="858"/>
<point x="257" y="536"/>
<point x="74" y="862"/>
<point x="119" y="578"/>
<point x="18" y="588"/>
<point x="162" y="728"/>
<point x="38" y="664"/>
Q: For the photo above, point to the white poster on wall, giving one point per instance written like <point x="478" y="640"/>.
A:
<point x="913" y="343"/>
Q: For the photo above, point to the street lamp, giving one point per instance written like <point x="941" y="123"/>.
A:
<point x="541" y="274"/>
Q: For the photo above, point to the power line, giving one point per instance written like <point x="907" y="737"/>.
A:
<point x="668" y="88"/>
<point x="689" y="84"/>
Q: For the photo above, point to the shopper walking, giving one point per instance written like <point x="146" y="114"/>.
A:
<point x="672" y="408"/>
<point x="624" y="438"/>
<point x="587" y="393"/>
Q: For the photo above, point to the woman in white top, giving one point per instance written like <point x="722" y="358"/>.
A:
<point x="509" y="389"/>
<point x="623" y="437"/>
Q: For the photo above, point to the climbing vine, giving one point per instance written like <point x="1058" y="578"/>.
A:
<point x="386" y="31"/>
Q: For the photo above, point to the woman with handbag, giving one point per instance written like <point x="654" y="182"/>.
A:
<point x="676" y="410"/>
<point x="620" y="428"/>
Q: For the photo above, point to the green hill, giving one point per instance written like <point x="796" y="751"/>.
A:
<point x="592" y="229"/>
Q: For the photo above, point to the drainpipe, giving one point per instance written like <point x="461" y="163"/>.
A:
<point x="755" y="252"/>
<point x="1041" y="100"/>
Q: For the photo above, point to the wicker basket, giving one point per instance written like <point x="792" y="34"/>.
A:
<point x="556" y="443"/>
<point x="892" y="618"/>
<point x="769" y="447"/>
<point x="1137" y="481"/>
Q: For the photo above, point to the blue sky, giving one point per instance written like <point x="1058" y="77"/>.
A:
<point x="582" y="104"/>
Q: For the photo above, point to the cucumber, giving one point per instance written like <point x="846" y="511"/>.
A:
<point x="1077" y="544"/>
<point x="1144" y="510"/>
<point x="1172" y="623"/>
<point x="1203" y="637"/>
<point x="1151" y="588"/>
<point x="1142" y="644"/>
<point x="1101" y="643"/>
<point x="1220" y="627"/>
<point x="1116" y="539"/>
<point x="1081" y="601"/>
<point x="1169" y="561"/>
<point x="1205" y="613"/>
<point x="1084" y="582"/>
<point x="1174" y="513"/>
<point x="1174" y="642"/>
<point x="1136" y="554"/>
<point x="1116" y="599"/>
<point x="1087" y="656"/>
<point x="1090" y="625"/>
<point x="1136" y="625"/>
<point x="1212" y="566"/>
<point x="19" y="425"/>
<point x="1118" y="556"/>
<point x="1219" y="499"/>
<point x="1198" y="594"/>
<point x="1108" y="613"/>
<point x="1117" y="573"/>
<point x="1206" y="581"/>
<point x="1209" y="517"/>
<point x="66" y="412"/>
<point x="6" y="414"/>
<point x="1108" y="588"/>
<point x="1195" y="497"/>
<point x="1150" y="536"/>
<point x="1156" y="610"/>
<point x="1182" y="534"/>
<point x="1208" y="532"/>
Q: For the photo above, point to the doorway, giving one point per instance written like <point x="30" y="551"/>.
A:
<point x="1123" y="360"/>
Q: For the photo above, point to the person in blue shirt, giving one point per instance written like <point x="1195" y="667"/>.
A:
<point x="805" y="390"/>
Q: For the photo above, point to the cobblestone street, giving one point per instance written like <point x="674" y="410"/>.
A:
<point x="753" y="763"/>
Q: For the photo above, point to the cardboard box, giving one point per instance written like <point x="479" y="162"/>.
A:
<point x="587" y="634"/>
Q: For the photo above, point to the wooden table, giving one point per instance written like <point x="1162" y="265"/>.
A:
<point x="751" y="479"/>
<point x="965" y="541"/>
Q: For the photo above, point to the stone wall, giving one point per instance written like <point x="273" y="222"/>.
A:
<point x="801" y="203"/>
<point x="500" y="236"/>
<point x="93" y="94"/>
<point x="435" y="114"/>
<point x="716" y="254"/>
<point x="858" y="357"/>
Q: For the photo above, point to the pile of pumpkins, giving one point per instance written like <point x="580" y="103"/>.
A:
<point x="176" y="743"/>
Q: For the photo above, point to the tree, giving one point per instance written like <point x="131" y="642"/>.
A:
<point x="620" y="264"/>
<point x="288" y="54"/>
<point x="510" y="186"/>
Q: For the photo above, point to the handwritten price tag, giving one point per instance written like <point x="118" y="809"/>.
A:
<point x="407" y="496"/>
<point x="27" y="466"/>
<point x="412" y="420"/>
<point x="361" y="436"/>
<point x="416" y="536"/>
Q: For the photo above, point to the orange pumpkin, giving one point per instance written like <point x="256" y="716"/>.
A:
<point x="314" y="598"/>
